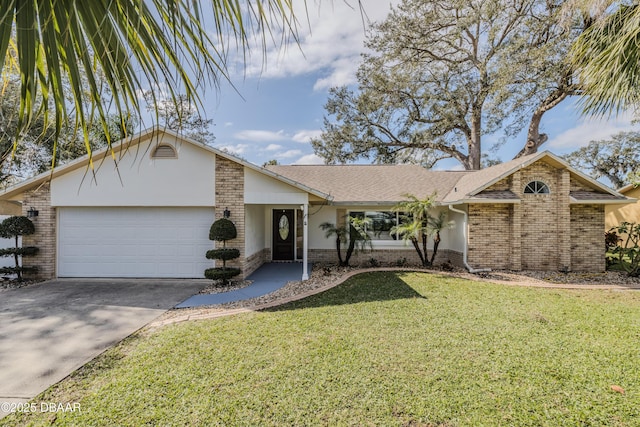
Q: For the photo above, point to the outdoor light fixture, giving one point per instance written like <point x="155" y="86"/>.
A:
<point x="32" y="212"/>
<point x="226" y="213"/>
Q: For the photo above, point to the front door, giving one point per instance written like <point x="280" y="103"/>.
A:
<point x="283" y="235"/>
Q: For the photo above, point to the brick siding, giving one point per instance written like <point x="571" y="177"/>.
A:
<point x="587" y="238"/>
<point x="385" y="257"/>
<point x="543" y="232"/>
<point x="44" y="236"/>
<point x="229" y="185"/>
<point x="253" y="262"/>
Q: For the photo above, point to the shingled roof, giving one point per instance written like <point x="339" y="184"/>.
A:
<point x="387" y="184"/>
<point x="370" y="184"/>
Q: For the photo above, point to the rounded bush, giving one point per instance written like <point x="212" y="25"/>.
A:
<point x="220" y="273"/>
<point x="223" y="229"/>
<point x="224" y="254"/>
<point x="16" y="226"/>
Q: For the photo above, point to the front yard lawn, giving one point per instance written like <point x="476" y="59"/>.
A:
<point x="407" y="349"/>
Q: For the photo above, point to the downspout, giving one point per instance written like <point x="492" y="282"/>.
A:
<point x="466" y="242"/>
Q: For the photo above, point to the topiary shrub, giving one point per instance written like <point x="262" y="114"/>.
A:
<point x="221" y="231"/>
<point x="14" y="227"/>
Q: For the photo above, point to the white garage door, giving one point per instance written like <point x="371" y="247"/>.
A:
<point x="134" y="242"/>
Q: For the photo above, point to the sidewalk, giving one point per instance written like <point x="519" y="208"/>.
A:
<point x="266" y="279"/>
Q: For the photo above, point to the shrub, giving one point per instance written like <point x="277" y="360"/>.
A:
<point x="221" y="231"/>
<point x="627" y="249"/>
<point x="14" y="227"/>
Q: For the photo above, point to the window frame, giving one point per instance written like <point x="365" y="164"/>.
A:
<point x="537" y="186"/>
<point x="395" y="241"/>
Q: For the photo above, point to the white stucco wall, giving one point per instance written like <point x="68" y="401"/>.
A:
<point x="140" y="180"/>
<point x="262" y="189"/>
<point x="455" y="236"/>
<point x="255" y="233"/>
<point x="318" y="215"/>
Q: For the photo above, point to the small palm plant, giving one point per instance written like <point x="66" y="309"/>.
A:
<point x="415" y="225"/>
<point x="354" y="232"/>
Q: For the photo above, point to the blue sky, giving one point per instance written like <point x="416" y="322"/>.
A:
<point x="280" y="104"/>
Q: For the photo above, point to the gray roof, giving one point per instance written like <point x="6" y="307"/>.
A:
<point x="387" y="184"/>
<point x="592" y="195"/>
<point x="375" y="184"/>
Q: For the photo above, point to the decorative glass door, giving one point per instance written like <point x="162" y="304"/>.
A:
<point x="283" y="235"/>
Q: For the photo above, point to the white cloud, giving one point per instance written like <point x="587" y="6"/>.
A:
<point x="273" y="147"/>
<point x="305" y="136"/>
<point x="588" y="130"/>
<point x="289" y="153"/>
<point x="309" y="159"/>
<point x="237" y="149"/>
<point x="260" y="135"/>
<point x="228" y="124"/>
<point x="331" y="39"/>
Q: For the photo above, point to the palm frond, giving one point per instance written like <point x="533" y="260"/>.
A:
<point x="64" y="47"/>
<point x="607" y="58"/>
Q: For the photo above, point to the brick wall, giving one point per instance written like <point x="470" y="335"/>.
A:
<point x="587" y="238"/>
<point x="44" y="236"/>
<point x="543" y="232"/>
<point x="384" y="256"/>
<point x="229" y="181"/>
<point x="489" y="236"/>
<point x="253" y="262"/>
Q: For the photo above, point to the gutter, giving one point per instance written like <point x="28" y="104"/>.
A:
<point x="464" y="250"/>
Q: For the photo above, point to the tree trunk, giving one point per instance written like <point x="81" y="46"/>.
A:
<point x="425" y="261"/>
<point x="475" y="143"/>
<point x="338" y="245"/>
<point x="436" y="243"/>
<point x="534" y="138"/>
<point x="418" y="250"/>
<point x="15" y="257"/>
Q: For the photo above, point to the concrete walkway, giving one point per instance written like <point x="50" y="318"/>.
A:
<point x="266" y="279"/>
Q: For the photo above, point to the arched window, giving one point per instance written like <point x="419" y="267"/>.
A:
<point x="536" y="187"/>
<point x="164" y="152"/>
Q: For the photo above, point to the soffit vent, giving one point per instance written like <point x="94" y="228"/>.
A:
<point x="164" y="152"/>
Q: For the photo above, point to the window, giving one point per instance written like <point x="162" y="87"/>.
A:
<point x="380" y="223"/>
<point x="536" y="187"/>
<point x="164" y="152"/>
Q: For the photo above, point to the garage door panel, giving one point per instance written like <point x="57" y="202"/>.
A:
<point x="134" y="242"/>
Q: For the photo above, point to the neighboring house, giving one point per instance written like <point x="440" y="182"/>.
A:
<point x="617" y="214"/>
<point x="150" y="216"/>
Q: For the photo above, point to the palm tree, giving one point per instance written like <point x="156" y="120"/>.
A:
<point x="607" y="56"/>
<point x="415" y="227"/>
<point x="435" y="225"/>
<point x="59" y="47"/>
<point x="354" y="232"/>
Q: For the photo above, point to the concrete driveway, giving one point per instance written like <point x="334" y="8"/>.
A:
<point x="50" y="329"/>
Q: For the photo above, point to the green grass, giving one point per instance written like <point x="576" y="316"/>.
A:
<point x="382" y="349"/>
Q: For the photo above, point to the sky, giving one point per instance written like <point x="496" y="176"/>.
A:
<point x="275" y="106"/>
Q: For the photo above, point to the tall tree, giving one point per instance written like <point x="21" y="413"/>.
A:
<point x="443" y="74"/>
<point x="35" y="152"/>
<point x="616" y="159"/>
<point x="180" y="44"/>
<point x="181" y="115"/>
